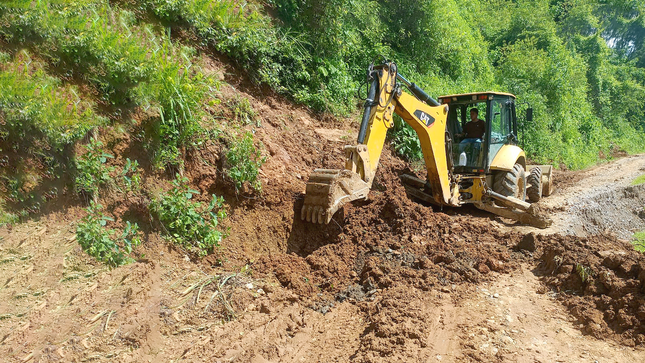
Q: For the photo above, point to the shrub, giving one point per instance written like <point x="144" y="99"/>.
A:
<point x="243" y="112"/>
<point x="128" y="63"/>
<point x="104" y="244"/>
<point x="130" y="179"/>
<point x="36" y="106"/>
<point x="405" y="140"/>
<point x="244" y="162"/>
<point x="639" y="241"/>
<point x="191" y="225"/>
<point x="91" y="171"/>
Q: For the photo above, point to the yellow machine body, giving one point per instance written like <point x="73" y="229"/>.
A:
<point x="507" y="157"/>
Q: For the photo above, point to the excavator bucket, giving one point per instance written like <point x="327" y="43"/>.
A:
<point x="328" y="190"/>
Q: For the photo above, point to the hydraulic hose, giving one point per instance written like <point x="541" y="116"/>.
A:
<point x="369" y="103"/>
<point x="418" y="92"/>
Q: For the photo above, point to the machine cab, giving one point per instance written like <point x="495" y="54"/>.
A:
<point x="476" y="155"/>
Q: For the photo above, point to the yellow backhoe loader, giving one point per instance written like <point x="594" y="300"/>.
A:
<point x="490" y="172"/>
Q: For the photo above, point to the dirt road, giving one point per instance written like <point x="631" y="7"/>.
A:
<point x="599" y="200"/>
<point x="388" y="280"/>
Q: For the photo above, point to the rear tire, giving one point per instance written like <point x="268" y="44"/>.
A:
<point x="511" y="183"/>
<point x="534" y="185"/>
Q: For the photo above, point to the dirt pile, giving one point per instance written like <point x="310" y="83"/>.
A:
<point x="390" y="256"/>
<point x="601" y="280"/>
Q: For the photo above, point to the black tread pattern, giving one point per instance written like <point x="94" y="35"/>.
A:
<point x="534" y="185"/>
<point x="508" y="183"/>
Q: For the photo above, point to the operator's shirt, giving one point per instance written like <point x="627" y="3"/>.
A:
<point x="475" y="129"/>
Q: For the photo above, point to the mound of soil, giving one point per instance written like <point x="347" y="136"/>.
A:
<point x="601" y="280"/>
<point x="388" y="255"/>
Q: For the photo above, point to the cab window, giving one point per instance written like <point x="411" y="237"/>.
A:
<point x="500" y="127"/>
<point x="501" y="121"/>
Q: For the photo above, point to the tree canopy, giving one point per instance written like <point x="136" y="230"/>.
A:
<point x="579" y="63"/>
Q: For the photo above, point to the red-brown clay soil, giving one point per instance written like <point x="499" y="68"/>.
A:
<point x="387" y="280"/>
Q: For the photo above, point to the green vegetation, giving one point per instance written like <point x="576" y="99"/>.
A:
<point x="585" y="272"/>
<point x="405" y="140"/>
<point x="130" y="179"/>
<point x="555" y="56"/>
<point x="91" y="171"/>
<point x="244" y="162"/>
<point x="7" y="217"/>
<point x="277" y="56"/>
<point x="126" y="62"/>
<point x="243" y="112"/>
<point x="40" y="118"/>
<point x="639" y="180"/>
<point x="99" y="241"/>
<point x="37" y="107"/>
<point x="191" y="225"/>
<point x="639" y="241"/>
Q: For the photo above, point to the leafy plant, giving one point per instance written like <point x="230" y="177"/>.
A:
<point x="190" y="224"/>
<point x="405" y="140"/>
<point x="585" y="272"/>
<point x="639" y="180"/>
<point x="243" y="112"/>
<point x="105" y="244"/>
<point x="130" y="178"/>
<point x="638" y="240"/>
<point x="91" y="171"/>
<point x="244" y="162"/>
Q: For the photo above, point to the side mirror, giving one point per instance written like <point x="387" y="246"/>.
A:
<point x="529" y="114"/>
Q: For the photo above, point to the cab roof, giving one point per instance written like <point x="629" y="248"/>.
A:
<point x="478" y="94"/>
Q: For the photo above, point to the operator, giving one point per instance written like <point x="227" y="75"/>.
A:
<point x="473" y="134"/>
<point x="474" y="129"/>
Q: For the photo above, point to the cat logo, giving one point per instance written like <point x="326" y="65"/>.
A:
<point x="424" y="117"/>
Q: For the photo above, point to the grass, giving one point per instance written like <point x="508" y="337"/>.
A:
<point x="128" y="63"/>
<point x="639" y="241"/>
<point x="639" y="180"/>
<point x="272" y="56"/>
<point x="36" y="105"/>
<point x="41" y="118"/>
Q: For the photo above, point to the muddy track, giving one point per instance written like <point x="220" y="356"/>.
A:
<point x="388" y="280"/>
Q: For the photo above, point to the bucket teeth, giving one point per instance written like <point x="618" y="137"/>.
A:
<point x="314" y="214"/>
<point x="328" y="190"/>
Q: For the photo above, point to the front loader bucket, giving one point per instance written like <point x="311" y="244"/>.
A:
<point x="521" y="211"/>
<point x="328" y="190"/>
